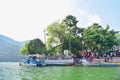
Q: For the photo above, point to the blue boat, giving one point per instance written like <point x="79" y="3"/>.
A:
<point x="32" y="61"/>
<point x="43" y="61"/>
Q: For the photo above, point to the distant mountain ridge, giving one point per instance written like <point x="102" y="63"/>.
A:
<point x="9" y="40"/>
<point x="9" y="49"/>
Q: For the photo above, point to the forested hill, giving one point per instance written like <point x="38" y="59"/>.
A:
<point x="9" y="49"/>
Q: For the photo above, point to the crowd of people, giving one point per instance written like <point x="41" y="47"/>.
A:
<point x="83" y="56"/>
<point x="89" y="56"/>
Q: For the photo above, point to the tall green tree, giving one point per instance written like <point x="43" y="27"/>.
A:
<point x="64" y="36"/>
<point x="98" y="39"/>
<point x="70" y="21"/>
<point x="56" y="36"/>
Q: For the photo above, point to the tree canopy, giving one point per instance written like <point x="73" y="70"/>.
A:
<point x="66" y="35"/>
<point x="35" y="46"/>
<point x="24" y="49"/>
<point x="96" y="38"/>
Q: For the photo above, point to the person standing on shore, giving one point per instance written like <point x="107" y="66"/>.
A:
<point x="111" y="55"/>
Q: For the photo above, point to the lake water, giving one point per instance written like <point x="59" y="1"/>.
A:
<point x="12" y="71"/>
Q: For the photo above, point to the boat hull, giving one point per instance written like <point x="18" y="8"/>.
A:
<point x="69" y="62"/>
<point x="103" y="65"/>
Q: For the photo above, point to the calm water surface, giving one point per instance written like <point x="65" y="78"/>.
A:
<point x="12" y="71"/>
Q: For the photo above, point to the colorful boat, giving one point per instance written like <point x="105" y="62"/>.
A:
<point x="114" y="62"/>
<point x="32" y="63"/>
<point x="103" y="65"/>
<point x="45" y="62"/>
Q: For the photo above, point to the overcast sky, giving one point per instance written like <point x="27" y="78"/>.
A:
<point x="26" y="19"/>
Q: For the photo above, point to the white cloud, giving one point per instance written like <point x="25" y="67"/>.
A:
<point x="93" y="18"/>
<point x="86" y="18"/>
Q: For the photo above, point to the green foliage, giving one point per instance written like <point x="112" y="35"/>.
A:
<point x="56" y="35"/>
<point x="64" y="36"/>
<point x="24" y="49"/>
<point x="118" y="39"/>
<point x="67" y="36"/>
<point x="70" y="21"/>
<point x="96" y="38"/>
<point x="36" y="46"/>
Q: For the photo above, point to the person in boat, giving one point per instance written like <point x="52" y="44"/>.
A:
<point x="108" y="56"/>
<point x="27" y="60"/>
<point x="74" y="58"/>
<point x="105" y="57"/>
<point x="87" y="55"/>
<point x="84" y="61"/>
<point x="79" y="58"/>
<point x="90" y="58"/>
<point x="33" y="59"/>
<point x="96" y="55"/>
